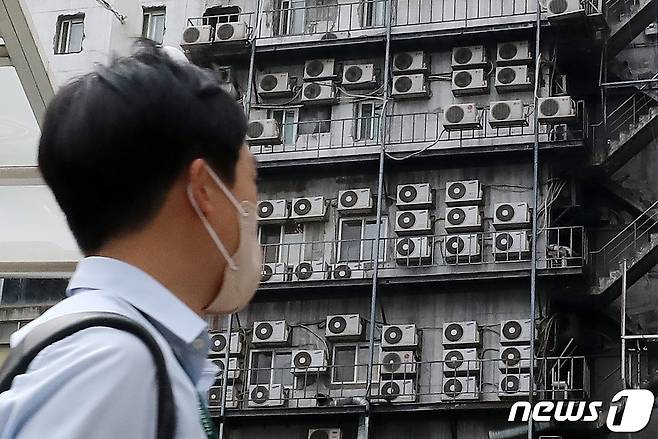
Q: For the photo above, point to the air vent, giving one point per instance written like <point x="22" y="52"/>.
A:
<point x="461" y="117"/>
<point x="196" y="35"/>
<point x="468" y="57"/>
<point x="507" y="114"/>
<point x="319" y="69"/>
<point x="410" y="86"/>
<point x="263" y="132"/>
<point x="468" y="82"/>
<point x="274" y="85"/>
<point x="409" y="62"/>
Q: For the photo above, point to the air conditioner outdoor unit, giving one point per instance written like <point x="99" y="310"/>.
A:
<point x="398" y="390"/>
<point x="409" y="62"/>
<point x="218" y="343"/>
<point x="513" y="78"/>
<point x="273" y="210"/>
<point x="413" y="195"/>
<point x="463" y="219"/>
<point x="511" y="246"/>
<point x="463" y="248"/>
<point x="344" y="326"/>
<point x="412" y="222"/>
<point x="267" y="395"/>
<point x="263" y="132"/>
<point x="410" y="86"/>
<point x="460" y="389"/>
<point x="513" y="215"/>
<point x="235" y="31"/>
<point x="461" y="117"/>
<point x="397" y="363"/>
<point x="462" y="334"/>
<point x="556" y="109"/>
<point x="317" y="69"/>
<point x="515" y="331"/>
<point x="234" y="371"/>
<point x="359" y="76"/>
<point x="559" y="9"/>
<point x="275" y="85"/>
<point x="460" y="361"/>
<point x="514" y="358"/>
<point x="399" y="337"/>
<point x="319" y="92"/>
<point x="514" y="385"/>
<point x="309" y="209"/>
<point x="215" y="397"/>
<point x="196" y="35"/>
<point x="465" y="192"/>
<point x="274" y="272"/>
<point x="347" y="270"/>
<point x="355" y="201"/>
<point x="310" y="270"/>
<point x="651" y="30"/>
<point x="503" y="114"/>
<point x="513" y="52"/>
<point x="411" y="250"/>
<point x="468" y="82"/>
<point x="325" y="433"/>
<point x="468" y="57"/>
<point x="309" y="361"/>
<point x="275" y="332"/>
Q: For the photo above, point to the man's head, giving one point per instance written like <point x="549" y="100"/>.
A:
<point x="121" y="146"/>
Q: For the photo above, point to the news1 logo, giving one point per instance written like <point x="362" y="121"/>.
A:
<point x="630" y="411"/>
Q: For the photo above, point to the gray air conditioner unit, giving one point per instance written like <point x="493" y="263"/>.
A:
<point x="234" y="371"/>
<point x="515" y="331"/>
<point x="196" y="35"/>
<point x="235" y="31"/>
<point x="463" y="334"/>
<point x="463" y="219"/>
<point x="309" y="209"/>
<point x="514" y="358"/>
<point x="466" y="192"/>
<point x="411" y="250"/>
<point x="344" y="326"/>
<point x="513" y="78"/>
<point x="460" y="389"/>
<point x="276" y="332"/>
<point x="267" y="395"/>
<point x="274" y="272"/>
<point x="513" y="215"/>
<point x="275" y="85"/>
<point x="274" y="211"/>
<point x="459" y="117"/>
<point x="263" y="132"/>
<point x="513" y="52"/>
<point x="462" y="248"/>
<point x="412" y="222"/>
<point x="413" y="195"/>
<point x="505" y="114"/>
<point x="556" y="109"/>
<point x="469" y="82"/>
<point x="319" y="92"/>
<point x="514" y="385"/>
<point x="325" y="433"/>
<point x="399" y="337"/>
<point x="398" y="390"/>
<point x="317" y="69"/>
<point x="398" y="363"/>
<point x="511" y="246"/>
<point x="359" y="76"/>
<point x="468" y="57"/>
<point x="219" y="344"/>
<point x="560" y="9"/>
<point x="409" y="62"/>
<point x="355" y="201"/>
<point x="410" y="86"/>
<point x="309" y="361"/>
<point x="460" y="361"/>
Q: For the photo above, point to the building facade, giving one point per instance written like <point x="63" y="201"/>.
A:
<point x="448" y="191"/>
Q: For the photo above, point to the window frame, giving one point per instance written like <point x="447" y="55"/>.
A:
<point x="63" y="36"/>
<point x="278" y="245"/>
<point x="359" y="120"/>
<point x="383" y="230"/>
<point x="147" y="21"/>
<point x="334" y="367"/>
<point x="294" y="123"/>
<point x="271" y="381"/>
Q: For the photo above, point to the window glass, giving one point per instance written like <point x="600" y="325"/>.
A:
<point x="32" y="291"/>
<point x="75" y="38"/>
<point x="350" y="240"/>
<point x="261" y="364"/>
<point x="344" y="364"/>
<point x="369" y="236"/>
<point x="153" y="24"/>
<point x="367" y="121"/>
<point x="270" y="239"/>
<point x="287" y="124"/>
<point x="315" y="119"/>
<point x="281" y="373"/>
<point x="293" y="243"/>
<point x="6" y="329"/>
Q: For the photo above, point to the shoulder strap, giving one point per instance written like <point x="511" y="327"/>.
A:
<point x="61" y="327"/>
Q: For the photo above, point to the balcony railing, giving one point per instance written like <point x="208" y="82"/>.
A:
<point x="214" y="21"/>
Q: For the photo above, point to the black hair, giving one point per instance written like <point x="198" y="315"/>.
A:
<point x="114" y="141"/>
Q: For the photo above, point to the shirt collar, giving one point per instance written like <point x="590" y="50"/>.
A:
<point x="140" y="290"/>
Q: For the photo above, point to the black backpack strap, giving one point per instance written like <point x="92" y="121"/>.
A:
<point x="61" y="327"/>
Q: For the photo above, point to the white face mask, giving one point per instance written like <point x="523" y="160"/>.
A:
<point x="243" y="269"/>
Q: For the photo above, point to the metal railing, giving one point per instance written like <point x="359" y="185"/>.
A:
<point x="631" y="112"/>
<point x="248" y="18"/>
<point x="619" y="12"/>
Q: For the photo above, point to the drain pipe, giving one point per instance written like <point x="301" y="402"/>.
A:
<point x="246" y="104"/>
<point x="227" y="356"/>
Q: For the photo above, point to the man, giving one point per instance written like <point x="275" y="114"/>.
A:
<point x="147" y="160"/>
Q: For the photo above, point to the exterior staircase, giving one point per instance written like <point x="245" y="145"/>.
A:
<point x="626" y="19"/>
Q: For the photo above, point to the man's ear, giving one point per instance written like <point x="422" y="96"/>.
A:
<point x="200" y="185"/>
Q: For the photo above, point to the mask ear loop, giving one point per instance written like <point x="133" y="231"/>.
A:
<point x="226" y="191"/>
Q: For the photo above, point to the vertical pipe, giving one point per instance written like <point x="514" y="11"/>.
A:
<point x="227" y="356"/>
<point x="623" y="324"/>
<point x="252" y="57"/>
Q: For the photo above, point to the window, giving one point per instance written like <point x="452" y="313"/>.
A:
<point x="287" y="120"/>
<point x="70" y="32"/>
<point x="288" y="17"/>
<point x="357" y="239"/>
<point x="32" y="291"/>
<point x="270" y="240"/>
<point x="221" y="14"/>
<point x="350" y="365"/>
<point x="9" y="327"/>
<point x="367" y="120"/>
<point x="270" y="367"/>
<point x="372" y="13"/>
<point x="153" y="24"/>
<point x="315" y="119"/>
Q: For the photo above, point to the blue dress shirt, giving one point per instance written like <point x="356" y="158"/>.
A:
<point x="100" y="382"/>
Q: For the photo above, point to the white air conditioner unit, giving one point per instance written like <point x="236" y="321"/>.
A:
<point x="461" y="117"/>
<point x="556" y="109"/>
<point x="325" y="433"/>
<point x="410" y="86"/>
<point x="310" y="270"/>
<point x="468" y="82"/>
<point x="503" y="114"/>
<point x="347" y="270"/>
<point x="309" y="209"/>
<point x="460" y="361"/>
<point x="397" y="363"/>
<point x="463" y="219"/>
<point x="274" y="85"/>
<point x="411" y="250"/>
<point x="274" y="272"/>
<point x="234" y="31"/>
<point x="515" y="331"/>
<point x="344" y="326"/>
<point x="462" y="248"/>
<point x="218" y="343"/>
<point x="275" y="332"/>
<point x="355" y="201"/>
<point x="468" y="57"/>
<point x="412" y="222"/>
<point x="358" y="76"/>
<point x="513" y="78"/>
<point x="510" y="246"/>
<point x="513" y="52"/>
<point x="460" y="389"/>
<point x="267" y="395"/>
<point x="215" y="396"/>
<point x="234" y="371"/>
<point x="409" y="62"/>
<point x="651" y="30"/>
<point x="514" y="358"/>
<point x="318" y="92"/>
<point x="399" y="336"/>
<point x="514" y="385"/>
<point x="263" y="132"/>
<point x="196" y="35"/>
<point x="317" y="69"/>
<point x="413" y="195"/>
<point x="465" y="192"/>
<point x="465" y="334"/>
<point x="559" y="9"/>
<point x="398" y="390"/>
<point x="309" y="361"/>
<point x="272" y="211"/>
<point x="513" y="215"/>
